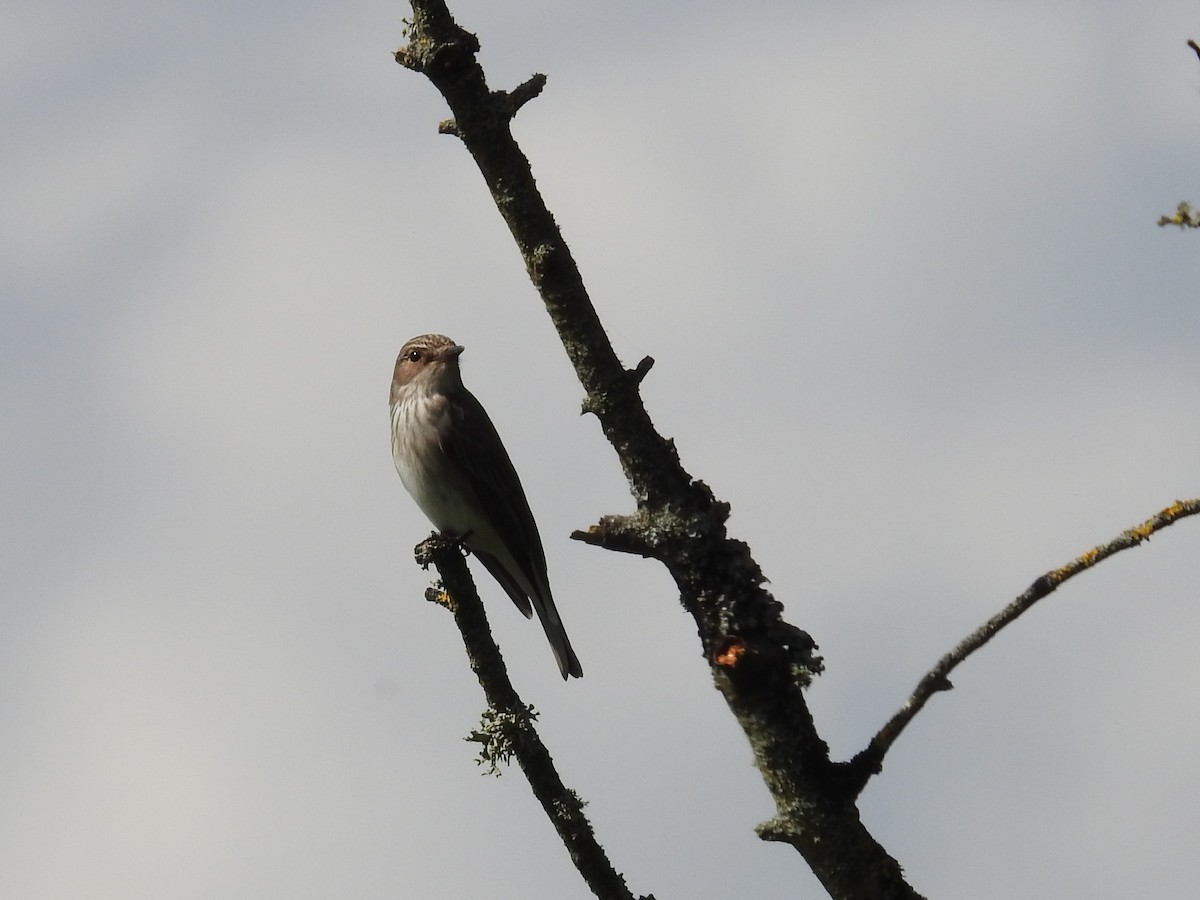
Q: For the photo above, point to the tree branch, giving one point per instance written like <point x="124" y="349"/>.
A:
<point x="1185" y="216"/>
<point x="758" y="662"/>
<point x="870" y="760"/>
<point x="507" y="730"/>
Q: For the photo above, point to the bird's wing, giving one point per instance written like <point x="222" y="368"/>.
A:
<point x="475" y="449"/>
<point x="510" y="585"/>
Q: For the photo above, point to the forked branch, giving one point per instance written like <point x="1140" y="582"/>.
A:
<point x="760" y="663"/>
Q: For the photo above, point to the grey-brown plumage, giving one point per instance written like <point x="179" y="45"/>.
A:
<point x="454" y="465"/>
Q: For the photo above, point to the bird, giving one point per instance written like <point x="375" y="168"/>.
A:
<point x="452" y="462"/>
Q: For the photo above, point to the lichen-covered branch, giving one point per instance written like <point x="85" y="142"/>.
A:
<point x="759" y="662"/>
<point x="1184" y="217"/>
<point x="507" y="731"/>
<point x="870" y="760"/>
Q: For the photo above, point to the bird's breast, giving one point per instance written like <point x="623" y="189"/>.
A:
<point x="424" y="468"/>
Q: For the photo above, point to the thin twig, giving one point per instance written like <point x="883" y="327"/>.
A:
<point x="870" y="760"/>
<point x="508" y="730"/>
<point x="1185" y="216"/>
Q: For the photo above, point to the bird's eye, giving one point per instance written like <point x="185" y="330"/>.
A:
<point x="414" y="355"/>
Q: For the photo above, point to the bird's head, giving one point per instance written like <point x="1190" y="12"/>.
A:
<point x="427" y="364"/>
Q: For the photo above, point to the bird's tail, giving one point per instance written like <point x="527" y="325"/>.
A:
<point x="523" y="593"/>
<point x="564" y="655"/>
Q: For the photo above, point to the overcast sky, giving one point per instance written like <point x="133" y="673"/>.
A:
<point x="912" y="317"/>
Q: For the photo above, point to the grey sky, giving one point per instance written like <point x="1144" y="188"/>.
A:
<point x="897" y="264"/>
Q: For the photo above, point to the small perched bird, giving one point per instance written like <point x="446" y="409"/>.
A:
<point x="452" y="462"/>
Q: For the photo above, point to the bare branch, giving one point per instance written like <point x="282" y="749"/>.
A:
<point x="513" y="100"/>
<point x="508" y="729"/>
<point x="870" y="760"/>
<point x="758" y="662"/>
<point x="642" y="369"/>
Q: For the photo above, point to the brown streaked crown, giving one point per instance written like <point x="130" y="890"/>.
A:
<point x="424" y="353"/>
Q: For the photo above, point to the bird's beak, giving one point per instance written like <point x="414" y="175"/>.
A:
<point x="452" y="352"/>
